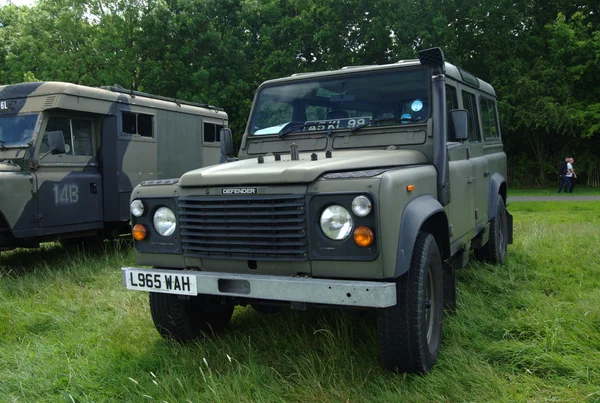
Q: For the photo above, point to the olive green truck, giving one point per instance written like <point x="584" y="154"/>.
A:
<point x="364" y="187"/>
<point x="70" y="156"/>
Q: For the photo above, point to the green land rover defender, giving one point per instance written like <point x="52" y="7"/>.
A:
<point x="364" y="187"/>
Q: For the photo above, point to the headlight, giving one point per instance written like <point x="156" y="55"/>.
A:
<point x="336" y="222"/>
<point x="137" y="208"/>
<point x="361" y="206"/>
<point x="164" y="221"/>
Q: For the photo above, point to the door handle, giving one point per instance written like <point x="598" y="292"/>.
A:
<point x="93" y="188"/>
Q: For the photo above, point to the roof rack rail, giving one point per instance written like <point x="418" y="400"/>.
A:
<point x="179" y="102"/>
<point x="357" y="66"/>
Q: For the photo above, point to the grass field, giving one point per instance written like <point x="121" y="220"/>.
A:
<point x="528" y="331"/>
<point x="553" y="191"/>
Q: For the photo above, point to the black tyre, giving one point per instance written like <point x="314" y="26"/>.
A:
<point x="410" y="333"/>
<point x="186" y="319"/>
<point x="494" y="251"/>
<point x="498" y="234"/>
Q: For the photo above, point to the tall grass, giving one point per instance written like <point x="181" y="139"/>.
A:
<point x="527" y="331"/>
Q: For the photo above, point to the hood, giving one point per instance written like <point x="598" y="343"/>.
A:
<point x="303" y="170"/>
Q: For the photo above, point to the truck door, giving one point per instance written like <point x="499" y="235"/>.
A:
<point x="69" y="186"/>
<point x="477" y="156"/>
<point x="461" y="209"/>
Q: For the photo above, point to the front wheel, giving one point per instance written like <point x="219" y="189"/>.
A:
<point x="185" y="319"/>
<point x="410" y="332"/>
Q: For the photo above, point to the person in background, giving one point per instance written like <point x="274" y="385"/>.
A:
<point x="571" y="175"/>
<point x="562" y="173"/>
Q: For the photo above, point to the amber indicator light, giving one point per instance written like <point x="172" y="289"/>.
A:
<point x="363" y="236"/>
<point x="410" y="188"/>
<point x="139" y="232"/>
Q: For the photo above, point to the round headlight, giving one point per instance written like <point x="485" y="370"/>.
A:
<point x="164" y="221"/>
<point x="336" y="222"/>
<point x="137" y="208"/>
<point x="361" y="206"/>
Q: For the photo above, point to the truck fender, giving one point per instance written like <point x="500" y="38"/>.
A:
<point x="415" y="214"/>
<point x="497" y="186"/>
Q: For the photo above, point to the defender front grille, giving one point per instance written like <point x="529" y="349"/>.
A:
<point x="244" y="227"/>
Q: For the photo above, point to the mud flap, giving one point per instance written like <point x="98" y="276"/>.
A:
<point x="509" y="227"/>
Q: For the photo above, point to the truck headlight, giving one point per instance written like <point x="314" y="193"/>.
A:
<point x="361" y="206"/>
<point x="136" y="208"/>
<point x="336" y="222"/>
<point x="164" y="221"/>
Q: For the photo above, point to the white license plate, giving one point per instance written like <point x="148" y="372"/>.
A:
<point x="172" y="283"/>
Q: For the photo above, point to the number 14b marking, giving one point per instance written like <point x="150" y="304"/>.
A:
<point x="67" y="195"/>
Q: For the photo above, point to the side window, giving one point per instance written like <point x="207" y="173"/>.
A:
<point x="451" y="103"/>
<point x="137" y="124"/>
<point x="212" y="132"/>
<point x="76" y="132"/>
<point x="469" y="103"/>
<point x="489" y="119"/>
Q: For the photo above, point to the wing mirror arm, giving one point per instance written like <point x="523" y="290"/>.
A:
<point x="56" y="142"/>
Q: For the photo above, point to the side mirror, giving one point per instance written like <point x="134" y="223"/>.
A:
<point x="226" y="143"/>
<point x="460" y="118"/>
<point x="56" y="142"/>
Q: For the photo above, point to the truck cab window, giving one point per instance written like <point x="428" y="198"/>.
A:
<point x="470" y="104"/>
<point x="76" y="132"/>
<point x="451" y="103"/>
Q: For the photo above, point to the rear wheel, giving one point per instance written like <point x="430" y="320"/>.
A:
<point x="494" y="251"/>
<point x="410" y="333"/>
<point x="185" y="319"/>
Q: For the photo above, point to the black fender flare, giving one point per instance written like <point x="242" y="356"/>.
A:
<point x="496" y="182"/>
<point x="415" y="214"/>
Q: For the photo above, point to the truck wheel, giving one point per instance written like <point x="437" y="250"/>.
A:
<point x="498" y="234"/>
<point x="410" y="333"/>
<point x="494" y="251"/>
<point x="187" y="319"/>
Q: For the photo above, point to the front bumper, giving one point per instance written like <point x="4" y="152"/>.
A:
<point x="262" y="287"/>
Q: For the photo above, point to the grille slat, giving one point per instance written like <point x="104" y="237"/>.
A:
<point x="209" y="221"/>
<point x="244" y="227"/>
<point x="191" y="234"/>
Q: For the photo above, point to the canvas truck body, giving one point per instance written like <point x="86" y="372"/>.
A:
<point x="364" y="187"/>
<point x="112" y="139"/>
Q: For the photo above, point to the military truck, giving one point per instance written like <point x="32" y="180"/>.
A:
<point x="70" y="156"/>
<point x="365" y="187"/>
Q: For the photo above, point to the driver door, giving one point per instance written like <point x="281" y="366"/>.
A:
<point x="69" y="185"/>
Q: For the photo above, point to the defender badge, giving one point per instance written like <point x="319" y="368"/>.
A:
<point x="239" y="191"/>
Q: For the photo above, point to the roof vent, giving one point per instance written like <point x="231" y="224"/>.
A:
<point x="50" y="100"/>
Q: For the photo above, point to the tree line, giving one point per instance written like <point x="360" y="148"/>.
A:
<point x="542" y="57"/>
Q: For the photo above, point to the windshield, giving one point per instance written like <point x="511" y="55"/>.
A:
<point x="340" y="103"/>
<point x="16" y="131"/>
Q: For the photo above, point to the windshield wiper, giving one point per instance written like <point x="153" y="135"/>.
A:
<point x="295" y="129"/>
<point x="370" y="122"/>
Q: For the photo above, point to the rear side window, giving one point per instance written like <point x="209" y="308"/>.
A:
<point x="137" y="124"/>
<point x="212" y="132"/>
<point x="489" y="119"/>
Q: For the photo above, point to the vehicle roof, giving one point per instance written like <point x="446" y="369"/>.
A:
<point x="452" y="71"/>
<point x="109" y="93"/>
